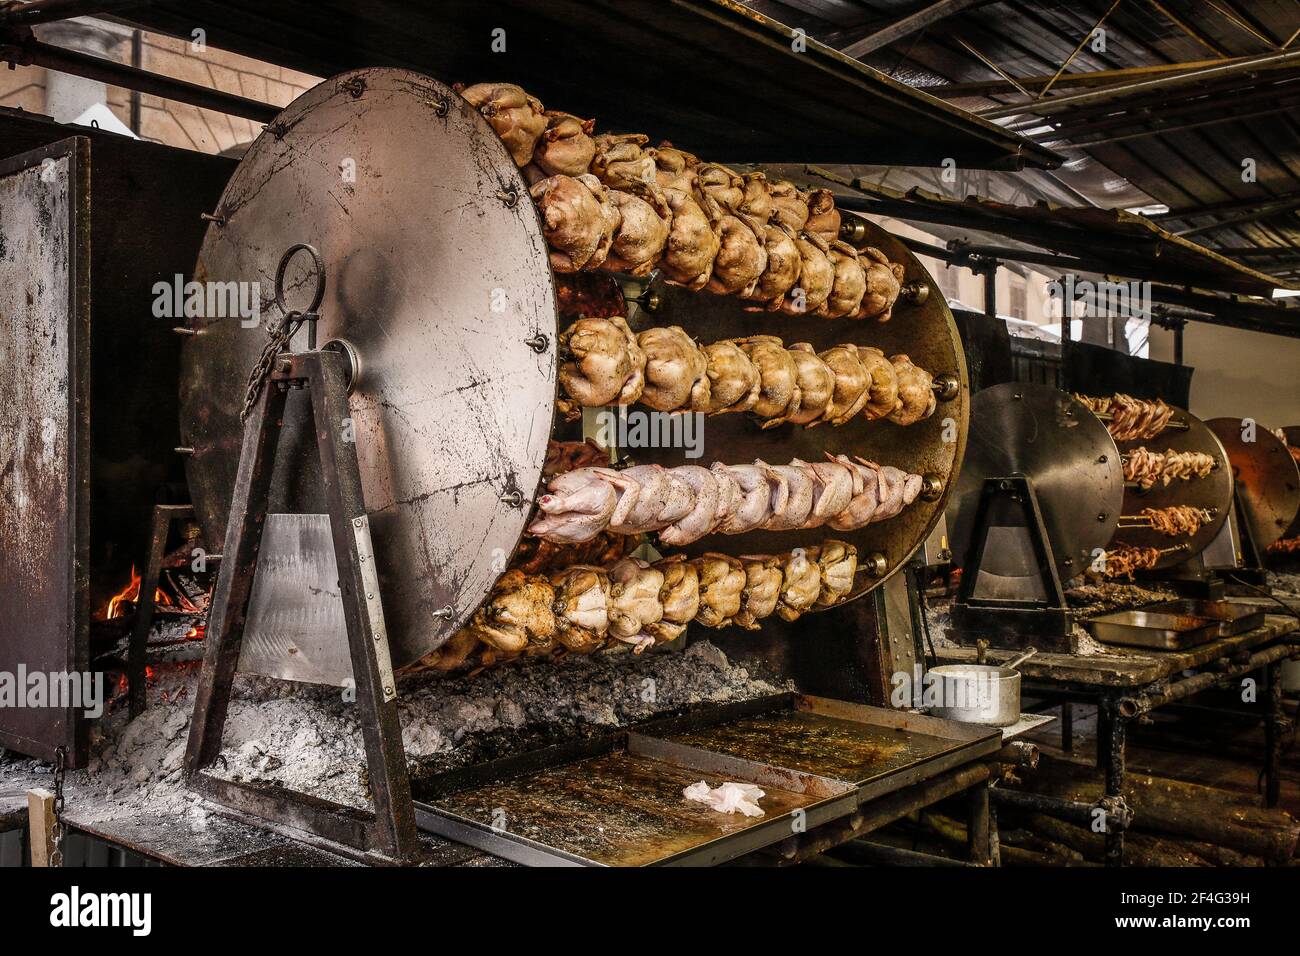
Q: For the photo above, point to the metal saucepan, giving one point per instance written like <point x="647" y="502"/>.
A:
<point x="979" y="693"/>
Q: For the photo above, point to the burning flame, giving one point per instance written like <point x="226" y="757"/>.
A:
<point x="131" y="593"/>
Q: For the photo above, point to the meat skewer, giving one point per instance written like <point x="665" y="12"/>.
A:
<point x="1145" y="468"/>
<point x="1173" y="522"/>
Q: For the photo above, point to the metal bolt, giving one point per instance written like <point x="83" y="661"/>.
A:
<point x="183" y="450"/>
<point x="1102" y="460"/>
<point x="946" y="387"/>
<point x="876" y="564"/>
<point x="931" y="488"/>
<point x="915" y="292"/>
<point x="358" y="521"/>
<point x="538" y="343"/>
<point x="508" y="196"/>
<point x="650" y="301"/>
<point x="216" y="217"/>
<point x="370" y="595"/>
<point x="388" y="692"/>
<point x="181" y="330"/>
<point x="513" y="498"/>
<point x="445" y="613"/>
<point x="441" y="108"/>
<point x="1102" y="516"/>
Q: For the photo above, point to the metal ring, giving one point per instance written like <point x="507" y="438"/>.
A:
<point x="319" y="263"/>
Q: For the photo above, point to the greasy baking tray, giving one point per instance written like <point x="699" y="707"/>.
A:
<point x="617" y="800"/>
<point x="1234" y="617"/>
<point x="1161" y="631"/>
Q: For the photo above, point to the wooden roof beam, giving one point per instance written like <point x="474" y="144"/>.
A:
<point x="920" y="19"/>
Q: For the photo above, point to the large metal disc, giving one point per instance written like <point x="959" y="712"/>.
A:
<point x="1066" y="452"/>
<point x="924" y="330"/>
<point x="1213" y="492"/>
<point x="437" y="277"/>
<point x="1267" y="478"/>
<point x="1292" y="433"/>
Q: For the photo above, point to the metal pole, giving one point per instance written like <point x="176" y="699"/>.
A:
<point x="47" y="11"/>
<point x="991" y="288"/>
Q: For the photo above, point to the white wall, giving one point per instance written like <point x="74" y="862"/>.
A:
<point x="1238" y="374"/>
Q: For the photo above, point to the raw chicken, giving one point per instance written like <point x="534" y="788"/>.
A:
<point x="634" y="601"/>
<point x="755" y="502"/>
<point x="578" y="507"/>
<point x="702" y="516"/>
<point x="779" y="389"/>
<point x="838" y="563"/>
<point x="661" y="500"/>
<point x="566" y="148"/>
<point x="763" y="578"/>
<point x="832" y="490"/>
<point x="816" y="384"/>
<point x="798" y="500"/>
<point x="679" y="597"/>
<point x="916" y="398"/>
<point x="578" y="221"/>
<point x="866" y="496"/>
<point x="722" y="578"/>
<point x="816" y="277"/>
<point x="692" y="243"/>
<point x="642" y="232"/>
<point x="733" y="380"/>
<point x="515" y="116"/>
<point x="729" y="494"/>
<point x="601" y="363"/>
<point x="581" y="607"/>
<point x="800" y="584"/>
<point x="849" y="284"/>
<point x="676" y="370"/>
<point x="852" y="383"/>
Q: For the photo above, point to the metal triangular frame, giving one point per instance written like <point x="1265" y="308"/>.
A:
<point x="389" y="831"/>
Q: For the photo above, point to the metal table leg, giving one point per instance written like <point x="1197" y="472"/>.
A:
<point x="1067" y="727"/>
<point x="979" y="825"/>
<point x="1111" y="728"/>
<point x="1274" y="730"/>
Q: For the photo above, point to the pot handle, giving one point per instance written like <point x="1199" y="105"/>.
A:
<point x="1020" y="659"/>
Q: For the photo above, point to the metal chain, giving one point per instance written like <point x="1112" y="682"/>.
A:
<point x="57" y="828"/>
<point x="279" y="340"/>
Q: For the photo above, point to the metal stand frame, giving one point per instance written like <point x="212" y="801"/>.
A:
<point x="389" y="830"/>
<point x="1009" y="622"/>
<point x="164" y="516"/>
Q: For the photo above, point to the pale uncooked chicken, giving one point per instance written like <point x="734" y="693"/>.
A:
<point x="730" y="495"/>
<point x="823" y="217"/>
<point x="916" y="399"/>
<point x="763" y="579"/>
<point x="578" y="507"/>
<point x="755" y="499"/>
<point x="601" y="362"/>
<point x="816" y="384"/>
<point x="852" y="382"/>
<point x="779" y="377"/>
<point x="642" y="232"/>
<point x="884" y="383"/>
<point x="676" y="370"/>
<point x="832" y="490"/>
<point x="800" y="584"/>
<point x="722" y="578"/>
<point x="798" y="499"/>
<point x="838" y="564"/>
<point x="515" y="116"/>
<point x="700" y="519"/>
<point x="661" y="500"/>
<point x="848" y="285"/>
<point x="581" y="607"/>
<point x="733" y="380"/>
<point x="740" y="260"/>
<point x="566" y="148"/>
<point x="634" y="601"/>
<point x="816" y="277"/>
<point x="578" y="221"/>
<point x="692" y="243"/>
<point x="866" y="496"/>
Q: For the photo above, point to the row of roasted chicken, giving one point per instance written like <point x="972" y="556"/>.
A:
<point x="611" y="202"/>
<point x="604" y="363"/>
<point x="583" y="608"/>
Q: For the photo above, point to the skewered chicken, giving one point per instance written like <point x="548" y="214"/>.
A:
<point x="916" y="398"/>
<point x="1145" y="467"/>
<point x="721" y="185"/>
<point x="679" y="597"/>
<point x="674" y="168"/>
<point x="884" y="281"/>
<point x="756" y="202"/>
<point x="642" y="232"/>
<point x="800" y="585"/>
<point x="816" y="277"/>
<point x="797" y="500"/>
<point x="1177" y="520"/>
<point x="866" y="496"/>
<point x="676" y="371"/>
<point x="837" y="563"/>
<point x="722" y="578"/>
<point x="816" y="384"/>
<point x="883" y="398"/>
<point x="579" y="506"/>
<point x="541" y="555"/>
<point x="740" y="260"/>
<point x="661" y="499"/>
<point x="781" y="272"/>
<point x="833" y="489"/>
<point x="852" y="383"/>
<point x="634" y="601"/>
<point x="582" y="603"/>
<point x="566" y="148"/>
<point x="515" y="116"/>
<point x="578" y="220"/>
<point x="755" y="502"/>
<point x="692" y="243"/>
<point x="1122" y="561"/>
<point x="1130" y="419"/>
<point x="517" y="614"/>
<point x="733" y="379"/>
<point x="562" y="456"/>
<point x="700" y="520"/>
<point x="823" y="217"/>
<point x="778" y="375"/>
<point x="602" y="363"/>
<point x="763" y="579"/>
<point x="848" y="285"/>
<point x="789" y="205"/>
<point x="621" y="163"/>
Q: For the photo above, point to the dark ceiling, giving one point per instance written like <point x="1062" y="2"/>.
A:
<point x="1186" y="143"/>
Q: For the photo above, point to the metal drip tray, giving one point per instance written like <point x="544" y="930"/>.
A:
<point x="1176" y="625"/>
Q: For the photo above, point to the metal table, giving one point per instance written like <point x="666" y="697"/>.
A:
<point x="1127" y="683"/>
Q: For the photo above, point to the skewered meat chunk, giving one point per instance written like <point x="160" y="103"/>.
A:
<point x="582" y="603"/>
<point x="1177" y="520"/>
<point x="1123" y="560"/>
<point x="692" y="243"/>
<point x="816" y="277"/>
<point x="800" y="585"/>
<point x="641" y="235"/>
<point x="676" y="370"/>
<point x="740" y="260"/>
<point x="816" y="384"/>
<point x="733" y="379"/>
<point x="517" y="614"/>
<point x="515" y="116"/>
<point x="562" y="456"/>
<point x="542" y="555"/>
<point x="578" y="221"/>
<point x="884" y="282"/>
<point x="679" y="597"/>
<point x="621" y="163"/>
<point x="823" y="217"/>
<point x="848" y="285"/>
<point x="1131" y="419"/>
<point x="883" y="397"/>
<point x="702" y="516"/>
<point x="634" y="601"/>
<point x="1145" y="467"/>
<point x="602" y="363"/>
<point x="763" y="578"/>
<point x="837" y="562"/>
<point x="916" y="398"/>
<point x="789" y="205"/>
<point x="853" y="382"/>
<point x="566" y="148"/>
<point x="778" y="375"/>
<point x="722" y="578"/>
